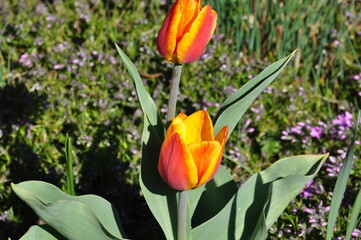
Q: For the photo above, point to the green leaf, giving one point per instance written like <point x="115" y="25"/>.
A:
<point x="146" y="102"/>
<point x="215" y="195"/>
<point x="42" y="232"/>
<point x="161" y="199"/>
<point x="75" y="217"/>
<point x="69" y="167"/>
<point x="356" y="209"/>
<point x="260" y="230"/>
<point x="341" y="183"/>
<point x="236" y="105"/>
<point x="276" y="186"/>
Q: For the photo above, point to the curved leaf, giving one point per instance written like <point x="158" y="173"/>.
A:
<point x="214" y="196"/>
<point x="161" y="199"/>
<point x="239" y="219"/>
<point x="42" y="232"/>
<point x="236" y="105"/>
<point x="353" y="216"/>
<point x="146" y="102"/>
<point x="87" y="215"/>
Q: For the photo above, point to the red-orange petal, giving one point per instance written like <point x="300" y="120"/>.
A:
<point x="193" y="43"/>
<point x="190" y="10"/>
<point x="206" y="157"/>
<point x="167" y="36"/>
<point x="216" y="161"/>
<point x="176" y="164"/>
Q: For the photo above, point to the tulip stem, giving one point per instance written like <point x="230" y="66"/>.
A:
<point x="182" y="215"/>
<point x="177" y="71"/>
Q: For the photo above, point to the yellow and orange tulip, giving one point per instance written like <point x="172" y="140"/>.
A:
<point x="190" y="154"/>
<point x="186" y="31"/>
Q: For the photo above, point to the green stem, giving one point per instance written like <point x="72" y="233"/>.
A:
<point x="182" y="215"/>
<point x="177" y="71"/>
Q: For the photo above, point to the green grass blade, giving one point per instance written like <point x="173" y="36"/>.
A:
<point x="69" y="167"/>
<point x="356" y="209"/>
<point x="341" y="183"/>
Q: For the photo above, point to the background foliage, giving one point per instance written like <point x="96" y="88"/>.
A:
<point x="60" y="74"/>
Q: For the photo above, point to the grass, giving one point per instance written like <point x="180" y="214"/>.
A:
<point x="60" y="75"/>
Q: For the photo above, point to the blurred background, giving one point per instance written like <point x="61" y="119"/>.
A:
<point x="60" y="74"/>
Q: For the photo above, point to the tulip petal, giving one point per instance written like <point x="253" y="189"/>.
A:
<point x="176" y="164"/>
<point x="177" y="126"/>
<point x="206" y="157"/>
<point x="193" y="43"/>
<point x="222" y="135"/>
<point x="199" y="127"/>
<point x="216" y="161"/>
<point x="167" y="36"/>
<point x="190" y="11"/>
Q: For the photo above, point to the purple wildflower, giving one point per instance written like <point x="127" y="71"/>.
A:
<point x="316" y="132"/>
<point x="344" y="120"/>
<point x="356" y="233"/>
<point x="317" y="216"/>
<point x="307" y="191"/>
<point x="28" y="59"/>
<point x="356" y="77"/>
<point x="58" y="66"/>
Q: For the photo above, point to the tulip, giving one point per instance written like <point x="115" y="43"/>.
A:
<point x="186" y="31"/>
<point x="190" y="155"/>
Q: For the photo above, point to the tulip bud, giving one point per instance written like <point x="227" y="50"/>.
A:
<point x="190" y="155"/>
<point x="186" y="31"/>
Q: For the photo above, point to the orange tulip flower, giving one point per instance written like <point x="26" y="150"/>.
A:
<point x="186" y="31"/>
<point x="190" y="155"/>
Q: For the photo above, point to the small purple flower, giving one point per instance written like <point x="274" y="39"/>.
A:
<point x="316" y="132"/>
<point x="28" y="59"/>
<point x="356" y="233"/>
<point x="58" y="66"/>
<point x="50" y="18"/>
<point x="307" y="191"/>
<point x="336" y="43"/>
<point x="356" y="77"/>
<point x="350" y="15"/>
<point x="344" y="120"/>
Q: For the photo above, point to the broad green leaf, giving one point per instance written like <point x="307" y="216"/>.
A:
<point x="341" y="183"/>
<point x="260" y="230"/>
<point x="356" y="209"/>
<point x="236" y="105"/>
<point x="87" y="215"/>
<point x="146" y="102"/>
<point x="42" y="232"/>
<point x="239" y="219"/>
<point x="215" y="195"/>
<point x="161" y="199"/>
